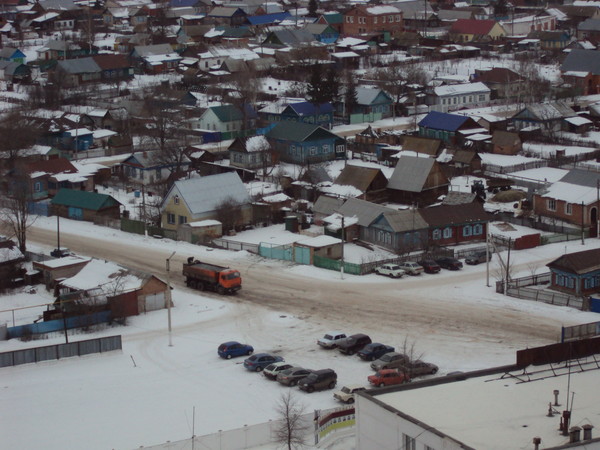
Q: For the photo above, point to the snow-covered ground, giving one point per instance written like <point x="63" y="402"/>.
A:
<point x="146" y="394"/>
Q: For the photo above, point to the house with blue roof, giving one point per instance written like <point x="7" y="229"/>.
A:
<point x="13" y="55"/>
<point x="265" y="20"/>
<point x="444" y="126"/>
<point x="303" y="143"/>
<point x="323" y="32"/>
<point x="319" y="114"/>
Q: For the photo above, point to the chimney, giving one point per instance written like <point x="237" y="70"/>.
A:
<point x="587" y="431"/>
<point x="564" y="422"/>
<point x="556" y="392"/>
<point x="574" y="434"/>
<point x="536" y="442"/>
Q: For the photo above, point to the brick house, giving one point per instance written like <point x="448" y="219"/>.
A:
<point x="583" y="62"/>
<point x="576" y="273"/>
<point x="472" y="30"/>
<point x="573" y="199"/>
<point x="362" y="20"/>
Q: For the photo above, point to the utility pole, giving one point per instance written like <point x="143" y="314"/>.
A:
<point x="343" y="239"/>
<point x="169" y="299"/>
<point x="597" y="209"/>
<point x="582" y="224"/>
<point x="487" y="254"/>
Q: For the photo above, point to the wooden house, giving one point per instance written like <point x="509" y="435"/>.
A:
<point x="576" y="273"/>
<point x="456" y="224"/>
<point x="370" y="181"/>
<point x="417" y="181"/>
<point x="83" y="205"/>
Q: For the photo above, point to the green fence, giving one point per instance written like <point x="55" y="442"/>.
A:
<point x="283" y="252"/>
<point x="334" y="264"/>
<point x="361" y="118"/>
<point x="562" y="237"/>
<point x="137" y="226"/>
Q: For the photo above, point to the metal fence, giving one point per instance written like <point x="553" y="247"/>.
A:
<point x="59" y="351"/>
<point x="50" y="326"/>
<point x="521" y="288"/>
<point x="236" y="245"/>
<point x="336" y="264"/>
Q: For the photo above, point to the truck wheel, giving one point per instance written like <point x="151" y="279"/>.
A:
<point x="220" y="290"/>
<point x="200" y="286"/>
<point x="381" y="384"/>
<point x="310" y="389"/>
<point x="332" y="385"/>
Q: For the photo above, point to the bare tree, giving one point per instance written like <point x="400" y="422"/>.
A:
<point x="291" y="430"/>
<point x="14" y="214"/>
<point x="245" y="88"/>
<point x="229" y="213"/>
<point x="17" y="134"/>
<point x="396" y="77"/>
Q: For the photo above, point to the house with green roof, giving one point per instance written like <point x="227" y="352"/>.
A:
<point x="228" y="119"/>
<point x="303" y="143"/>
<point x="84" y="205"/>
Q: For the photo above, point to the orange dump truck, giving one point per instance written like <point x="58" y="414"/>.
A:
<point x="201" y="276"/>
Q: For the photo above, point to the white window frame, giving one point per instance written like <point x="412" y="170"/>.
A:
<point x="551" y="204"/>
<point x="171" y="218"/>
<point x="569" y="209"/>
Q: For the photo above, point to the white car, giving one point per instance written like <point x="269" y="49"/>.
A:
<point x="411" y="268"/>
<point x="346" y="394"/>
<point x="274" y="369"/>
<point x="331" y="339"/>
<point x="390" y="270"/>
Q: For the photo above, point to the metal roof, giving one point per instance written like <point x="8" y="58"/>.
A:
<point x="81" y="65"/>
<point x="582" y="178"/>
<point x="205" y="194"/>
<point x="405" y="220"/>
<point x="443" y="121"/>
<point x="83" y="199"/>
<point x="410" y="174"/>
<point x="582" y="61"/>
<point x="327" y="205"/>
<point x="366" y="211"/>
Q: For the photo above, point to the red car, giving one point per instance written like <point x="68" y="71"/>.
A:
<point x="388" y="377"/>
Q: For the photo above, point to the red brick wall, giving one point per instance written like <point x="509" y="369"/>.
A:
<point x="358" y="21"/>
<point x="540" y="207"/>
<point x="528" y="241"/>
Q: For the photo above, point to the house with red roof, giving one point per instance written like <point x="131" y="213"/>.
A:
<point x="47" y="177"/>
<point x="473" y="30"/>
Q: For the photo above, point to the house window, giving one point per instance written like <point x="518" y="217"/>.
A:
<point x="467" y="230"/>
<point x="312" y="151"/>
<point x="482" y="98"/>
<point x="454" y="100"/>
<point x="326" y="148"/>
<point x="568" y="208"/>
<point x="383" y="19"/>
<point x="436" y="235"/>
<point x="551" y="204"/>
<point x="443" y="101"/>
<point x="398" y="18"/>
<point x="391" y="19"/>
<point x="409" y="442"/>
<point x="339" y="149"/>
<point x="374" y="19"/>
<point x="464" y="99"/>
<point x="470" y="99"/>
<point x="477" y="229"/>
<point x="447" y="232"/>
<point x="171" y="219"/>
<point x="176" y="199"/>
<point x="182" y="220"/>
<point x="37" y="186"/>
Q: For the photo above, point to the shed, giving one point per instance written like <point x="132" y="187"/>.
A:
<point x="83" y="205"/>
<point x="324" y="246"/>
<point x="56" y="269"/>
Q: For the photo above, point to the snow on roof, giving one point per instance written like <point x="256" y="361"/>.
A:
<point x="37" y="174"/>
<point x="473" y="131"/>
<point x="213" y="32"/>
<point x="10" y="254"/>
<point x="549" y="174"/>
<point x="505" y="160"/>
<point x="339" y="190"/>
<point x="276" y="198"/>
<point x="71" y="177"/>
<point x="517" y="415"/>
<point x="319" y="241"/>
<point x="99" y="134"/>
<point x="350" y="42"/>
<point x="575" y="73"/>
<point x="66" y="261"/>
<point x="204" y="223"/>
<point x="383" y="9"/>
<point x="107" y="275"/>
<point x="334" y="221"/>
<point x="549" y="150"/>
<point x="577" y="121"/>
<point x="572" y="193"/>
<point x="79" y="132"/>
<point x="466" y="88"/>
<point x="345" y="55"/>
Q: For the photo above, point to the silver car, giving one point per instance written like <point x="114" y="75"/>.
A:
<point x="391" y="360"/>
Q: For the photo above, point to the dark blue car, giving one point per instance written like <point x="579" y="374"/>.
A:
<point x="232" y="349"/>
<point x="374" y="351"/>
<point x="258" y="362"/>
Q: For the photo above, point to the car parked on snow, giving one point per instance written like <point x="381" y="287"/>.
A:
<point x="272" y="370"/>
<point x="447" y="262"/>
<point x="231" y="349"/>
<point x="374" y="350"/>
<point x="411" y="268"/>
<point x="477" y="258"/>
<point x="390" y="270"/>
<point x="346" y="394"/>
<point x="430" y="266"/>
<point x="388" y="377"/>
<point x="319" y="380"/>
<point x="353" y="344"/>
<point x="418" y="368"/>
<point x="259" y="361"/>
<point x="291" y="376"/>
<point x="391" y="360"/>
<point x="331" y="339"/>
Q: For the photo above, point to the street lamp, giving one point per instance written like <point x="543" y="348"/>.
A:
<point x="169" y="299"/>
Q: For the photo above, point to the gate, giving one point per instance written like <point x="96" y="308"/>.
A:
<point x="302" y="255"/>
<point x="154" y="302"/>
<point x="75" y="213"/>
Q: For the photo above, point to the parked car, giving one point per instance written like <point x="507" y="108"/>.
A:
<point x="449" y="263"/>
<point x="411" y="268"/>
<point x="418" y="368"/>
<point x="346" y="394"/>
<point x="388" y="377"/>
<point x="272" y="370"/>
<point x="259" y="361"/>
<point x="477" y="258"/>
<point x="430" y="266"/>
<point x="319" y="380"/>
<point x="291" y="376"/>
<point x="331" y="339"/>
<point x="232" y="349"/>
<point x="374" y="350"/>
<point x="354" y="343"/>
<point x="391" y="360"/>
<point x="390" y="270"/>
